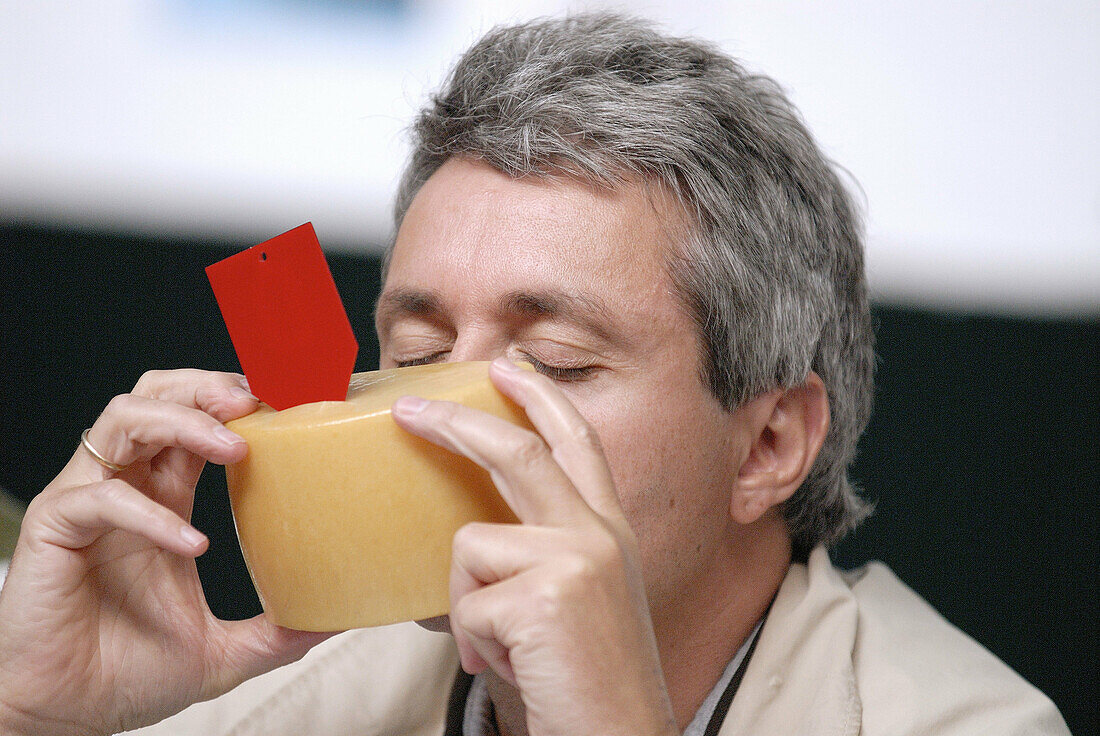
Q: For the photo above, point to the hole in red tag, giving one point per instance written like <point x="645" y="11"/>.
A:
<point x="263" y="256"/>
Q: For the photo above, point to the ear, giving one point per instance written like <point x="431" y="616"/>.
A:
<point x="786" y="430"/>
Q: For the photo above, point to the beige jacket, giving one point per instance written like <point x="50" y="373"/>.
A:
<point x="840" y="654"/>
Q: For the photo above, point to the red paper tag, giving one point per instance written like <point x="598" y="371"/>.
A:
<point x="286" y="320"/>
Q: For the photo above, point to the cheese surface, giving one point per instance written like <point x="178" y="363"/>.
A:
<point x="344" y="518"/>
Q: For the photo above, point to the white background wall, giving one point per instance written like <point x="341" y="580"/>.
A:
<point x="973" y="128"/>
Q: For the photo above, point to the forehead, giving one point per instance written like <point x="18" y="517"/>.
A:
<point x="474" y="231"/>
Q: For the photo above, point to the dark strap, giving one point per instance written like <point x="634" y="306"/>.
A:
<point x="723" y="706"/>
<point x="456" y="705"/>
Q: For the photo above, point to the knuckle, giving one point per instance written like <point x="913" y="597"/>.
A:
<point x="215" y="385"/>
<point x="111" y="491"/>
<point x="208" y="397"/>
<point x="580" y="569"/>
<point x="121" y="404"/>
<point x="549" y="601"/>
<point x="148" y="383"/>
<point x="446" y="412"/>
<point x="122" y="496"/>
<point x="465" y="539"/>
<point x="528" y="449"/>
<point x="125" y="413"/>
<point x="38" y="506"/>
<point x="608" y="552"/>
<point x="584" y="434"/>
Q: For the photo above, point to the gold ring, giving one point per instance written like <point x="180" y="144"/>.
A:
<point x="114" y="467"/>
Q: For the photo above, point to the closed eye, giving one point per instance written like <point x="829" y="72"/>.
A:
<point x="422" y="360"/>
<point x="555" y="372"/>
<point x="561" y="373"/>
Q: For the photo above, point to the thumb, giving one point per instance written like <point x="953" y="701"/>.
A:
<point x="255" y="646"/>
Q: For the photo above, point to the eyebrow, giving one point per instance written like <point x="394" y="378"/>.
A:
<point x="406" y="301"/>
<point x="584" y="310"/>
<point x="392" y="305"/>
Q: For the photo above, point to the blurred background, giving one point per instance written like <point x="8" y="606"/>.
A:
<point x="142" y="141"/>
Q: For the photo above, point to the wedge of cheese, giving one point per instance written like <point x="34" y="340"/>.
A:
<point x="345" y="519"/>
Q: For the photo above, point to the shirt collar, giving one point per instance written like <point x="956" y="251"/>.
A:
<point x="479" y="720"/>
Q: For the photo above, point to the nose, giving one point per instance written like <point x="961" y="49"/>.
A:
<point x="478" y="344"/>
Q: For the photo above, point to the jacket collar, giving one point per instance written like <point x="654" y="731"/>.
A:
<point x="801" y="679"/>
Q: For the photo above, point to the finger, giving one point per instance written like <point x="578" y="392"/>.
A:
<point x="224" y="396"/>
<point x="518" y="461"/>
<point x="475" y="633"/>
<point x="489" y="553"/>
<point x="134" y="428"/>
<point x="462" y="583"/>
<point x="483" y="554"/>
<point x="76" y="518"/>
<point x="249" y="648"/>
<point x="573" y="442"/>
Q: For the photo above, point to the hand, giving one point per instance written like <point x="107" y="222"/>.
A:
<point x="556" y="605"/>
<point x="103" y="623"/>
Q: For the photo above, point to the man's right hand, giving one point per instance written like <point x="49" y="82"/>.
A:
<point x="103" y="622"/>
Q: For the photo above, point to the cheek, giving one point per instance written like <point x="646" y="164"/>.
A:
<point x="669" y="462"/>
<point x="676" y="500"/>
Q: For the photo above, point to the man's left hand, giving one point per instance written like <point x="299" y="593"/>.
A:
<point x="556" y="605"/>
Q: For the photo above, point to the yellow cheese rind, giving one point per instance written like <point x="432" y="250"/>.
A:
<point x="345" y="519"/>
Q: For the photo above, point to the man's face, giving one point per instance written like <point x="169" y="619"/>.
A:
<point x="575" y="282"/>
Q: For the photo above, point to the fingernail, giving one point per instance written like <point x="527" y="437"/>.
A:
<point x="192" y="536"/>
<point x="227" y="436"/>
<point x="244" y="382"/>
<point x="505" y="365"/>
<point x="240" y="393"/>
<point x="409" y="405"/>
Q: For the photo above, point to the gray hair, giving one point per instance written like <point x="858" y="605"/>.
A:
<point x="772" y="268"/>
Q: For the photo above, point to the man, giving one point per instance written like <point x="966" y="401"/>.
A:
<point x="655" y="231"/>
